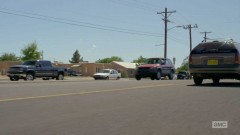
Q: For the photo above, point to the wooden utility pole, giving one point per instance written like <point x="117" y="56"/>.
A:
<point x="189" y="27"/>
<point x="205" y="35"/>
<point x="165" y="19"/>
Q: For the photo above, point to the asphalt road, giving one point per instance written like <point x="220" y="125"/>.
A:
<point x="118" y="107"/>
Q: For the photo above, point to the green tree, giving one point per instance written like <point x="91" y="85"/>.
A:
<point x="76" y="57"/>
<point x="184" y="66"/>
<point x="9" y="57"/>
<point x="141" y="59"/>
<point x="109" y="60"/>
<point x="30" y="52"/>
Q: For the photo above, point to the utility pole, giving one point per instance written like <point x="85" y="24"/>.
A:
<point x="42" y="54"/>
<point x="189" y="27"/>
<point x="205" y="35"/>
<point x="166" y="14"/>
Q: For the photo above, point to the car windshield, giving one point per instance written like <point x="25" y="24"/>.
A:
<point x="153" y="61"/>
<point x="106" y="71"/>
<point x="29" y="63"/>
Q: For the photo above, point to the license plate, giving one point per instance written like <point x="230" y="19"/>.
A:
<point x="212" y="62"/>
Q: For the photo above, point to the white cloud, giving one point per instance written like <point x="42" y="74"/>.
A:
<point x="94" y="46"/>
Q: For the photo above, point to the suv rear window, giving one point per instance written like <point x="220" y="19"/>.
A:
<point x="218" y="47"/>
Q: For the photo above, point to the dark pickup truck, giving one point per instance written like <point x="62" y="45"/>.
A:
<point x="32" y="69"/>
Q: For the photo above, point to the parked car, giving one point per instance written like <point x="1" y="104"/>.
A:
<point x="183" y="75"/>
<point x="107" y="74"/>
<point x="215" y="60"/>
<point x="155" y="68"/>
<point x="32" y="69"/>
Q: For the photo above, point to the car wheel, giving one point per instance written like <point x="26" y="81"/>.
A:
<point x="138" y="77"/>
<point x="60" y="77"/>
<point x="170" y="76"/>
<point x="107" y="78"/>
<point x="118" y="78"/>
<point x="152" y="78"/>
<point x="14" y="78"/>
<point x="216" y="80"/>
<point x="29" y="77"/>
<point x="198" y="80"/>
<point x="158" y="75"/>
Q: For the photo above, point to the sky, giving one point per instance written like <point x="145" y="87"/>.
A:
<point x="104" y="28"/>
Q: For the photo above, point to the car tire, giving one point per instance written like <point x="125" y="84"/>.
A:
<point x="60" y="77"/>
<point x="197" y="80"/>
<point x="216" y="80"/>
<point x="118" y="78"/>
<point x="170" y="76"/>
<point x="107" y="78"/>
<point x="14" y="78"/>
<point x="158" y="75"/>
<point x="138" y="78"/>
<point x="29" y="77"/>
<point x="152" y="78"/>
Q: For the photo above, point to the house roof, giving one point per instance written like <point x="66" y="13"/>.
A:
<point x="126" y="64"/>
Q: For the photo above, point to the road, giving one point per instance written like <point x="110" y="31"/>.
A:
<point x="118" y="107"/>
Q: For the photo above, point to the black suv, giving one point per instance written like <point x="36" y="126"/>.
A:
<point x="183" y="75"/>
<point x="155" y="68"/>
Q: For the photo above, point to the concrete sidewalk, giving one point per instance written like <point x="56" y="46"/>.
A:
<point x="3" y="77"/>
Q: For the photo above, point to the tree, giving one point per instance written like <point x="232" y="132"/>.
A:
<point x="141" y="59"/>
<point x="9" y="57"/>
<point x="30" y="52"/>
<point x="76" y="57"/>
<point x="184" y="66"/>
<point x="109" y="60"/>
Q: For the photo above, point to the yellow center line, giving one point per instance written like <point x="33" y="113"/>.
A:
<point x="83" y="93"/>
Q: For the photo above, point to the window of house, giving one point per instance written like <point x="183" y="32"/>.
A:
<point x="98" y="70"/>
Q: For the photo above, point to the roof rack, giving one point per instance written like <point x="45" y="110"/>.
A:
<point x="226" y="40"/>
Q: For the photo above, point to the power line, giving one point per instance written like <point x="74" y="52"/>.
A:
<point x="80" y="24"/>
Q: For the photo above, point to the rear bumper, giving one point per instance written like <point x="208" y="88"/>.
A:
<point x="226" y="73"/>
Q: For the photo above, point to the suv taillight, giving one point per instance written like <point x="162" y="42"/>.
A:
<point x="236" y="58"/>
<point x="190" y="59"/>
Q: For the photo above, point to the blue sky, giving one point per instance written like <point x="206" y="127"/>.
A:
<point x="23" y="22"/>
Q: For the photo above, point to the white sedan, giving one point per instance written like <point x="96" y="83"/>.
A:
<point x="107" y="74"/>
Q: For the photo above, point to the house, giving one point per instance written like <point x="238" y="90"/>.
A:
<point x="88" y="69"/>
<point x="125" y="68"/>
